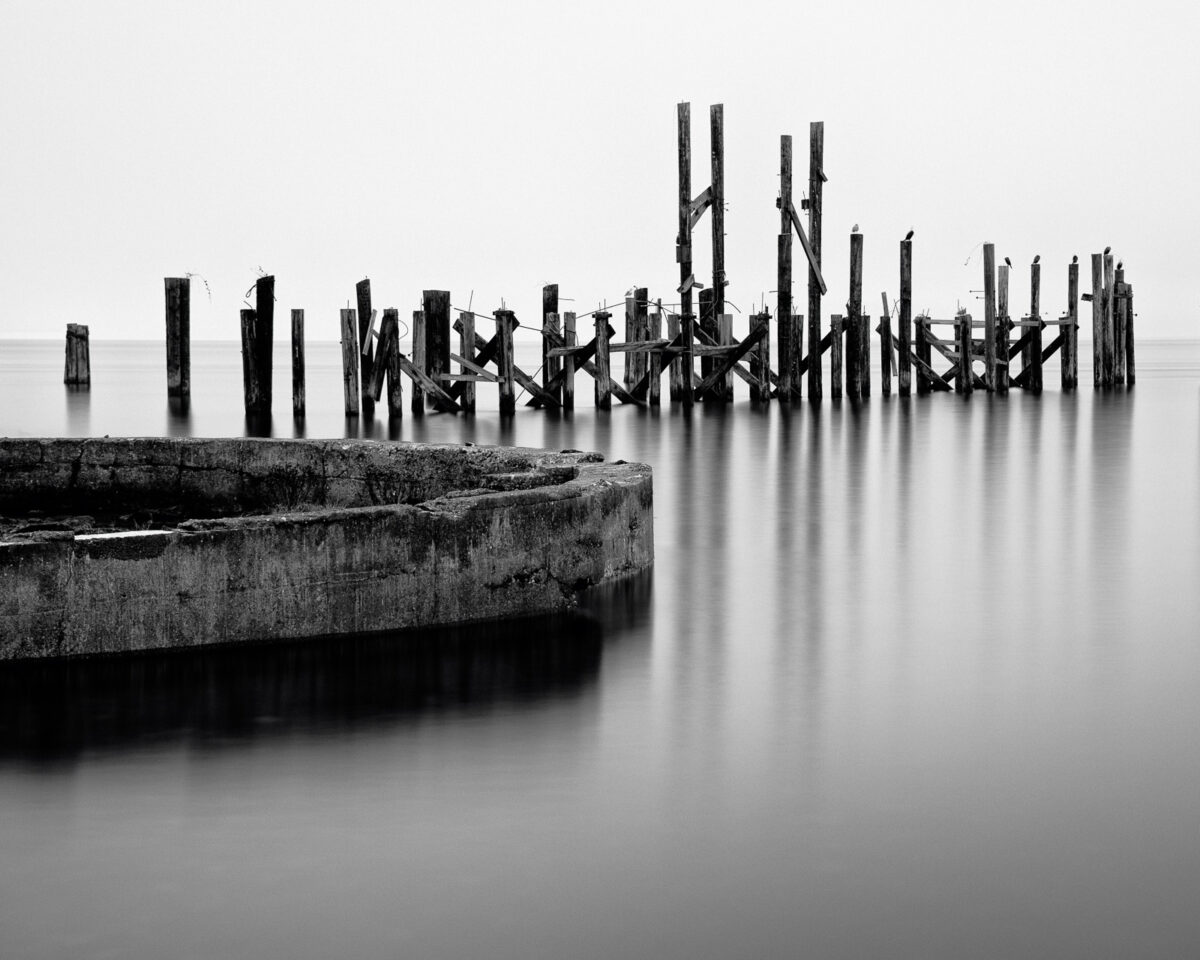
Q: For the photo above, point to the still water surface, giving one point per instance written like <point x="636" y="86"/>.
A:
<point x="916" y="679"/>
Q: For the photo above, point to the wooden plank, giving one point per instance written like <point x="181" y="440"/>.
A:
<point x="438" y="397"/>
<point x="923" y="369"/>
<point x="813" y="263"/>
<point x="298" y="398"/>
<point x="350" y="365"/>
<point x="760" y="361"/>
<point x="726" y="364"/>
<point x="179" y="336"/>
<point x="921" y="350"/>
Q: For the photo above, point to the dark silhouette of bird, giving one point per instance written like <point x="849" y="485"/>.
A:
<point x="854" y="229"/>
<point x="1120" y="264"/>
<point x="1037" y="257"/>
<point x="1007" y="262"/>
<point x="1107" y="251"/>
<point x="908" y="236"/>
<point x="1075" y="259"/>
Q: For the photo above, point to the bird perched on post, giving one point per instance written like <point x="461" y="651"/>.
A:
<point x="1037" y="257"/>
<point x="908" y="236"/>
<point x="1107" y="251"/>
<point x="1120" y="264"/>
<point x="854" y="229"/>
<point x="1007" y="262"/>
<point x="1075" y="259"/>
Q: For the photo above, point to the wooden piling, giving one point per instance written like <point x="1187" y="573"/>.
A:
<point x="1130" y="372"/>
<point x="350" y="362"/>
<point x="1097" y="320"/>
<point x="550" y="365"/>
<point x="716" y="115"/>
<point x="1119" y="326"/>
<point x="816" y="181"/>
<point x="1109" y="355"/>
<point x="505" y="322"/>
<point x="885" y="350"/>
<point x="1003" y="326"/>
<point x="437" y="335"/>
<point x="654" y="360"/>
<point x="1033" y="382"/>
<point x="629" y="377"/>
<point x="569" y="339"/>
<point x="990" y="343"/>
<point x="179" y="349"/>
<point x="760" y="360"/>
<point x="676" y="366"/>
<point x="922" y="350"/>
<point x="725" y="337"/>
<point x="419" y="330"/>
<point x="708" y="327"/>
<point x="641" y="330"/>
<point x="466" y="350"/>
<point x="835" y="357"/>
<point x="298" y="404"/>
<point x="551" y="327"/>
<point x="687" y="360"/>
<point x="391" y="358"/>
<point x="783" y="301"/>
<point x="1070" y="333"/>
<point x="362" y="294"/>
<point x="77" y="367"/>
<point x="683" y="249"/>
<point x="603" y="388"/>
<point x="854" y="334"/>
<point x="905" y="358"/>
<point x="264" y="347"/>
<point x="254" y="399"/>
<point x="962" y="333"/>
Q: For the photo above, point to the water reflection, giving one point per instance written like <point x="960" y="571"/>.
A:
<point x="61" y="709"/>
<point x="79" y="410"/>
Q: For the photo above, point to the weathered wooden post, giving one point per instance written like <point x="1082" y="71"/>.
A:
<point x="264" y="337"/>
<point x="179" y="335"/>
<point x="77" y="368"/>
<point x="991" y="346"/>
<point x="885" y="350"/>
<point x="922" y="349"/>
<point x="568" y="389"/>
<point x="683" y="251"/>
<point x="1130" y="372"/>
<point x="504" y="327"/>
<point x="760" y="360"/>
<point x="688" y="359"/>
<point x="419" y="329"/>
<point x="641" y="330"/>
<point x="905" y="350"/>
<point x="350" y="361"/>
<point x="1033" y="382"/>
<point x="1119" y="326"/>
<point x="254" y="398"/>
<point x="1070" y="332"/>
<point x="716" y="115"/>
<point x="816" y="181"/>
<point x="725" y="336"/>
<point x="550" y="365"/>
<point x="603" y="388"/>
<point x="1109" y="355"/>
<point x="783" y="309"/>
<point x="466" y="347"/>
<point x="654" y="361"/>
<point x="1003" y="326"/>
<point x="437" y="335"/>
<point x="708" y="327"/>
<point x="963" y="380"/>
<point x="631" y="335"/>
<point x="676" y="366"/>
<point x="835" y="356"/>
<point x="854" y="338"/>
<point x="298" y="364"/>
<point x="391" y="326"/>
<point x="1097" y="320"/>
<point x="366" y="320"/>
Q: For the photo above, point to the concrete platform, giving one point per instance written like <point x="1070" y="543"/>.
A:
<point x="109" y="545"/>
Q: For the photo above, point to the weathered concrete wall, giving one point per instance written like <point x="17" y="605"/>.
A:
<point x="388" y="536"/>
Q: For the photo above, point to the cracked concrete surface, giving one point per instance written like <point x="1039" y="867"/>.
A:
<point x="269" y="539"/>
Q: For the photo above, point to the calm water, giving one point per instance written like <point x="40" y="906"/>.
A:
<point x="918" y="679"/>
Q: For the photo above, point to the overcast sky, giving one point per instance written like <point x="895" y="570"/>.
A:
<point x="494" y="147"/>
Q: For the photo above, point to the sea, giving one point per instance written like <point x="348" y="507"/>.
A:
<point x="912" y="677"/>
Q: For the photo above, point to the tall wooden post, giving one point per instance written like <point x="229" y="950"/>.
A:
<point x="836" y="326"/>
<point x="437" y="335"/>
<point x="350" y="362"/>
<point x="854" y="338"/>
<point x="1130" y="372"/>
<point x="551" y="326"/>
<point x="1003" y="325"/>
<point x="816" y="181"/>
<point x="922" y="349"/>
<point x="1109" y="340"/>
<point x="716" y="116"/>
<point x="362" y="294"/>
<point x="990" y="344"/>
<point x="885" y="350"/>
<point x="77" y="369"/>
<point x="630" y="336"/>
<point x="783" y="308"/>
<point x="264" y="348"/>
<point x="298" y="404"/>
<point x="550" y="365"/>
<point x="179" y="335"/>
<point x="603" y="388"/>
<point x="1033" y="382"/>
<point x="963" y="380"/>
<point x="466" y="347"/>
<point x="568" y="388"/>
<point x="654" y="361"/>
<point x="683" y="248"/>
<point x="417" y="404"/>
<point x="641" y="330"/>
<point x="1119" y="327"/>
<point x="1097" y="319"/>
<point x="1070" y="333"/>
<point x="676" y="365"/>
<point x="905" y="318"/>
<point x="391" y="357"/>
<point x="760" y="360"/>
<point x="504" y="327"/>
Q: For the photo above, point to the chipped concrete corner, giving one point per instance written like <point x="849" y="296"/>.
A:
<point x="293" y="538"/>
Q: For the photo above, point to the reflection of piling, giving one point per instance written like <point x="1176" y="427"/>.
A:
<point x="77" y="370"/>
<point x="179" y="351"/>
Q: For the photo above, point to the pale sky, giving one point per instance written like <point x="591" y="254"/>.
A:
<point x="494" y="147"/>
